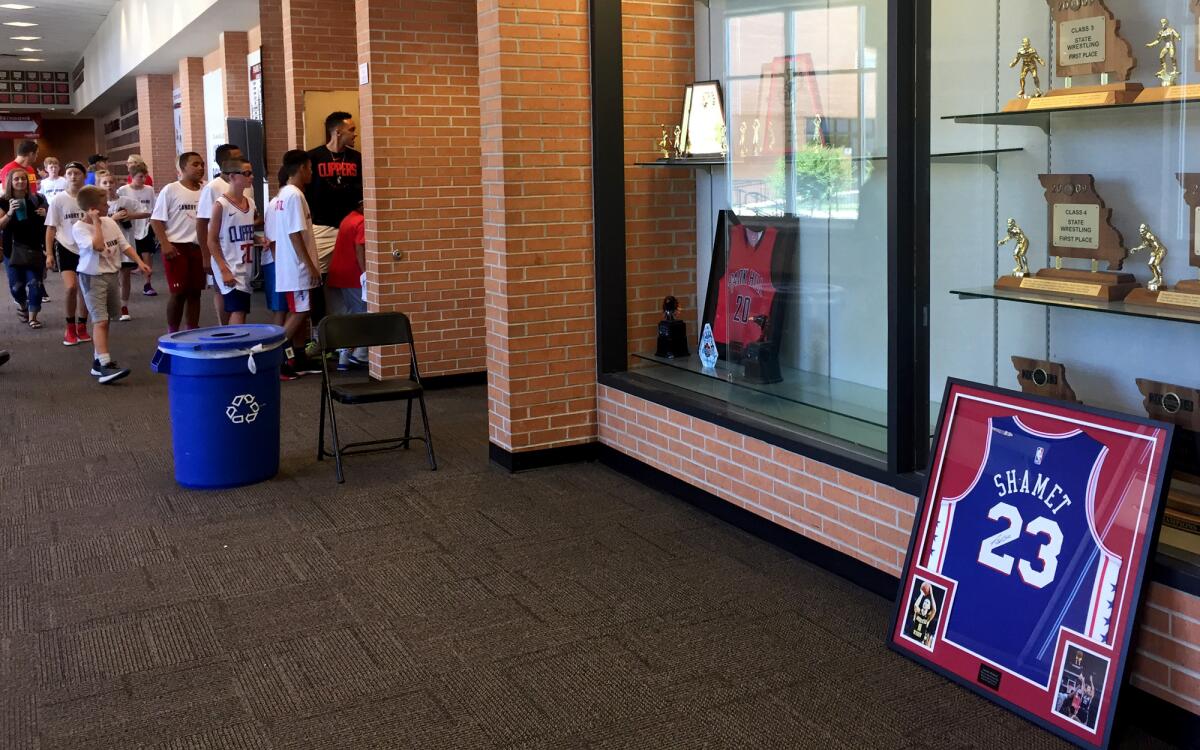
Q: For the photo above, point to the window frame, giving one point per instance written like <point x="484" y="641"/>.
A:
<point x="907" y="252"/>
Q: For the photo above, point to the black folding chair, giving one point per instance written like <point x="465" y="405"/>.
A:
<point x="369" y="329"/>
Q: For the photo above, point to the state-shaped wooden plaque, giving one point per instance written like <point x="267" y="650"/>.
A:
<point x="1040" y="377"/>
<point x="1078" y="223"/>
<point x="1177" y="404"/>
<point x="1088" y="40"/>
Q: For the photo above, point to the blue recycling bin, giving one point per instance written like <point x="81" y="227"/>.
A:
<point x="224" y="392"/>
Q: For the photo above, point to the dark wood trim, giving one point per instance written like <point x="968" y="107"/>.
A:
<point x="540" y="459"/>
<point x="608" y="184"/>
<point x="457" y="380"/>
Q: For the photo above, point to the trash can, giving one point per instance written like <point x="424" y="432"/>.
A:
<point x="224" y="393"/>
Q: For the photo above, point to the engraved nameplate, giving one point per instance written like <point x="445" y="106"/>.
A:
<point x="1062" y="287"/>
<point x="1076" y="225"/>
<point x="1094" y="99"/>
<point x="1196" y="231"/>
<point x="1081" y="41"/>
<point x="1179" y="299"/>
<point x="1190" y="91"/>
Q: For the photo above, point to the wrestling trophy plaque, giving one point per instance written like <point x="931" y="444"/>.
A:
<point x="1186" y="294"/>
<point x="1041" y="377"/>
<point x="1168" y="41"/>
<point x="1079" y="226"/>
<point x="1088" y="42"/>
<point x="760" y="358"/>
<point x="1176" y="404"/>
<point x="672" y="333"/>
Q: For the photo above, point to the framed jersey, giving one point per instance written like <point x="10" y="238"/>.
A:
<point x="1026" y="564"/>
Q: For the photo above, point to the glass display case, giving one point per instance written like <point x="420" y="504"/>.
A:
<point x="1064" y="254"/>
<point x="792" y="222"/>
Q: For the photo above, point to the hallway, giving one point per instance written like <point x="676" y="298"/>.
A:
<point x="569" y="607"/>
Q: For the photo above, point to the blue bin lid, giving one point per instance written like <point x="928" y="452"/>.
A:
<point x="231" y="339"/>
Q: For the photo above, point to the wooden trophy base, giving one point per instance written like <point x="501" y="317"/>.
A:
<point x="1080" y="96"/>
<point x="1157" y="94"/>
<point x="1185" y="296"/>
<point x="1104" y="286"/>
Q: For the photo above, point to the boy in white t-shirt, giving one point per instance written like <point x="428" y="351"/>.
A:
<point x="296" y="271"/>
<point x="231" y="240"/>
<point x="101" y="243"/>
<point x="143" y="240"/>
<point x="276" y="301"/>
<point x="53" y="183"/>
<point x="61" y="253"/>
<point x="174" y="224"/>
<point x="123" y="210"/>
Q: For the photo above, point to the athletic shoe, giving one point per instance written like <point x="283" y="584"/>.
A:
<point x="108" y="373"/>
<point x="287" y="374"/>
<point x="45" y="297"/>
<point x="4" y="356"/>
<point x="81" y="333"/>
<point x="69" y="337"/>
<point x="125" y="314"/>
<point x="149" y="291"/>
<point x="306" y="366"/>
<point x="358" y="362"/>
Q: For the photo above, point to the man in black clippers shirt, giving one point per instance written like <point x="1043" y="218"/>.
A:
<point x="336" y="188"/>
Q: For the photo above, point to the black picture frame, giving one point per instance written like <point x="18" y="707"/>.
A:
<point x="1139" y="584"/>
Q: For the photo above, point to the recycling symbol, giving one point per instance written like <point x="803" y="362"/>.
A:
<point x="243" y="409"/>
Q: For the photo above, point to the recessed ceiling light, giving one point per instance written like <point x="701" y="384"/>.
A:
<point x="32" y="59"/>
<point x="28" y="49"/>
<point x="16" y="6"/>
<point x="25" y="38"/>
<point x="20" y="24"/>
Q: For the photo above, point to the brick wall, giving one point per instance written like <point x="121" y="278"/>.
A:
<point x="191" y="88"/>
<point x="659" y="57"/>
<point x="157" y="126"/>
<point x="275" y="95"/>
<point x="537" y="222"/>
<point x="320" y="54"/>
<point x="235" y="46"/>
<point x="419" y="121"/>
<point x="858" y="517"/>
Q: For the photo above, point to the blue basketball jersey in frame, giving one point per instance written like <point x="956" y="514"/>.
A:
<point x="1024" y="550"/>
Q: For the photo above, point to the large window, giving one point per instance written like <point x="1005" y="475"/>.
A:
<point x="790" y="269"/>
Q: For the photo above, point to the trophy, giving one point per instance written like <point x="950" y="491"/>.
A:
<point x="1186" y="294"/>
<point x="1016" y="235"/>
<point x="1080" y="226"/>
<point x="672" y="333"/>
<point x="1176" y="404"/>
<point x="664" y="143"/>
<point x="1088" y="41"/>
<point x="1030" y="60"/>
<point x="760" y="358"/>
<point x="1041" y="377"/>
<point x="1168" y="41"/>
<point x="708" y="348"/>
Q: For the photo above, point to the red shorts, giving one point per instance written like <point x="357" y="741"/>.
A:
<point x="299" y="302"/>
<point x="185" y="272"/>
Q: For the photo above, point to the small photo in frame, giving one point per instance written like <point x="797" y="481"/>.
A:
<point x="18" y="98"/>
<point x="926" y="602"/>
<point x="61" y="88"/>
<point x="62" y="99"/>
<point x="1081" y="679"/>
<point x="18" y="86"/>
<point x="4" y="76"/>
<point x="60" y="76"/>
<point x="47" y="98"/>
<point x="47" y="76"/>
<point x="18" y="75"/>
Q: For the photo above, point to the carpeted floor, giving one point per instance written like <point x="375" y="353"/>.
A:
<point x="467" y="608"/>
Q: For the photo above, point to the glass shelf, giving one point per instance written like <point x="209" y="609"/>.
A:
<point x="1041" y="118"/>
<point x="1049" y="300"/>
<point x="683" y="163"/>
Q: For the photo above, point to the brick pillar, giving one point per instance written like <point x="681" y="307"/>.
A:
<point x="156" y="126"/>
<point x="319" y="50"/>
<point x="275" y="98"/>
<point x="235" y="46"/>
<point x="191" y="87"/>
<point x="537" y="223"/>
<point x="422" y="100"/>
